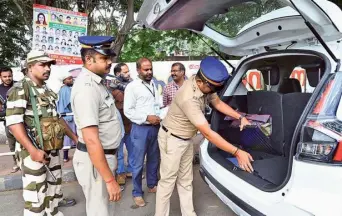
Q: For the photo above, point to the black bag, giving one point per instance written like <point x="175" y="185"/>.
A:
<point x="254" y="137"/>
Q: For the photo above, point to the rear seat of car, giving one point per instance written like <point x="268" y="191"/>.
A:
<point x="285" y="107"/>
<point x="285" y="103"/>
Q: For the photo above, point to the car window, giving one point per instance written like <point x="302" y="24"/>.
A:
<point x="339" y="110"/>
<point x="239" y="18"/>
<point x="253" y="80"/>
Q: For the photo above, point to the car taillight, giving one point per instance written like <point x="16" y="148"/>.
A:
<point x="317" y="151"/>
<point x="321" y="137"/>
<point x="338" y="154"/>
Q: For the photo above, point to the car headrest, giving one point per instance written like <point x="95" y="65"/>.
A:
<point x="270" y="75"/>
<point x="289" y="85"/>
<point x="314" y="73"/>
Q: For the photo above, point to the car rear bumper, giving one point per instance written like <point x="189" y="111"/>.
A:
<point x="237" y="205"/>
<point x="243" y="198"/>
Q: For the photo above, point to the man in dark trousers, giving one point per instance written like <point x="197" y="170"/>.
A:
<point x="118" y="85"/>
<point x="6" y="75"/>
<point x="142" y="107"/>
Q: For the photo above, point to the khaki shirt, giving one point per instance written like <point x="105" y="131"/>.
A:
<point x="93" y="105"/>
<point x="187" y="109"/>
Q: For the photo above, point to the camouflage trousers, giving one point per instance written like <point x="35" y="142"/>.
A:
<point x="41" y="193"/>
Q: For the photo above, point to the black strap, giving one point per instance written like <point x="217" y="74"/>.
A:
<point x="149" y="125"/>
<point x="166" y="130"/>
<point x="82" y="147"/>
<point x="153" y="93"/>
<point x="36" y="116"/>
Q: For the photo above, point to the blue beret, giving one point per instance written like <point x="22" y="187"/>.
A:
<point x="214" y="70"/>
<point x="100" y="44"/>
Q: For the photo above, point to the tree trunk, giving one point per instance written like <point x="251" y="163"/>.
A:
<point x="122" y="34"/>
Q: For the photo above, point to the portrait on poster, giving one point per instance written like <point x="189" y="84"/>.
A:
<point x="56" y="31"/>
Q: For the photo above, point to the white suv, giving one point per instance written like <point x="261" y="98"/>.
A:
<point x="298" y="164"/>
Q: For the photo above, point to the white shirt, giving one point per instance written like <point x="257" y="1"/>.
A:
<point x="121" y="123"/>
<point x="140" y="100"/>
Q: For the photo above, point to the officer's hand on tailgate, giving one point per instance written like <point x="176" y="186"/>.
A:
<point x="114" y="191"/>
<point x="153" y="119"/>
<point x="244" y="160"/>
<point x="39" y="156"/>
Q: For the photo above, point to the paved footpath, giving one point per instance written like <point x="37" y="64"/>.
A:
<point x="205" y="201"/>
<point x="12" y="181"/>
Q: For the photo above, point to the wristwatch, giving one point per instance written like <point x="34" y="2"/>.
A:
<point x="242" y="116"/>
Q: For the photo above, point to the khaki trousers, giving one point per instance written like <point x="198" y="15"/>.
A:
<point x="93" y="186"/>
<point x="175" y="167"/>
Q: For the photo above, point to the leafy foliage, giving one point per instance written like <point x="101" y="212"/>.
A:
<point x="156" y="45"/>
<point x="238" y="16"/>
<point x="13" y="41"/>
<point x="114" y="17"/>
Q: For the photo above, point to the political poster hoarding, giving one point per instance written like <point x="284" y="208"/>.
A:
<point x="56" y="31"/>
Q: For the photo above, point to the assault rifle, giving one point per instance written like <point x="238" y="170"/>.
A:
<point x="35" y="144"/>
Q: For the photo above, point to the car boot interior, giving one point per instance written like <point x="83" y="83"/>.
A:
<point x="284" y="99"/>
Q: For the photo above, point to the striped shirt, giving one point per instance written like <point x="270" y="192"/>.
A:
<point x="169" y="93"/>
<point x="19" y="107"/>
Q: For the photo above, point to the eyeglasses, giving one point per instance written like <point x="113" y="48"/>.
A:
<point x="214" y="88"/>
<point x="175" y="71"/>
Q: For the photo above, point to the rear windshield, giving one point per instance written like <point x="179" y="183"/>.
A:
<point x="235" y="20"/>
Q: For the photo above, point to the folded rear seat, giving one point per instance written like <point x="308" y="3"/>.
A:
<point x="285" y="107"/>
<point x="293" y="107"/>
<point x="270" y="103"/>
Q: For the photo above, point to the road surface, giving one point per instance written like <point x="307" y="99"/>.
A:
<point x="205" y="201"/>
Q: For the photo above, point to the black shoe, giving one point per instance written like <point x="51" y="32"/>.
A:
<point x="65" y="202"/>
<point x="15" y="169"/>
<point x="196" y="159"/>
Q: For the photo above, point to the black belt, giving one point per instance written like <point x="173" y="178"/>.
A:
<point x="166" y="130"/>
<point x="82" y="147"/>
<point x="150" y="125"/>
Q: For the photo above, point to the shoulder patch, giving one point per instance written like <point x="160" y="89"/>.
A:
<point x="17" y="90"/>
<point x="18" y="84"/>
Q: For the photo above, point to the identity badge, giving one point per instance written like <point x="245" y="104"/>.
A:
<point x="156" y="109"/>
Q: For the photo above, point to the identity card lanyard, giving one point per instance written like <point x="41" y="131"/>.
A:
<point x="156" y="105"/>
<point x="153" y="93"/>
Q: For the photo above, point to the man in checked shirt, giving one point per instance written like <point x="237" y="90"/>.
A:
<point x="169" y="92"/>
<point x="178" y="76"/>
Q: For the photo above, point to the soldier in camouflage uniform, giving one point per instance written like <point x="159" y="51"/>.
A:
<point x="41" y="193"/>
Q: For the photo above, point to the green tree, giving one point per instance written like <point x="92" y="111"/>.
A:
<point x="105" y="17"/>
<point x="156" y="45"/>
<point x="232" y="22"/>
<point x="13" y="41"/>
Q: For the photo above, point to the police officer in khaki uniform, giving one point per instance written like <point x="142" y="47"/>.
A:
<point x="184" y="118"/>
<point x="98" y="127"/>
